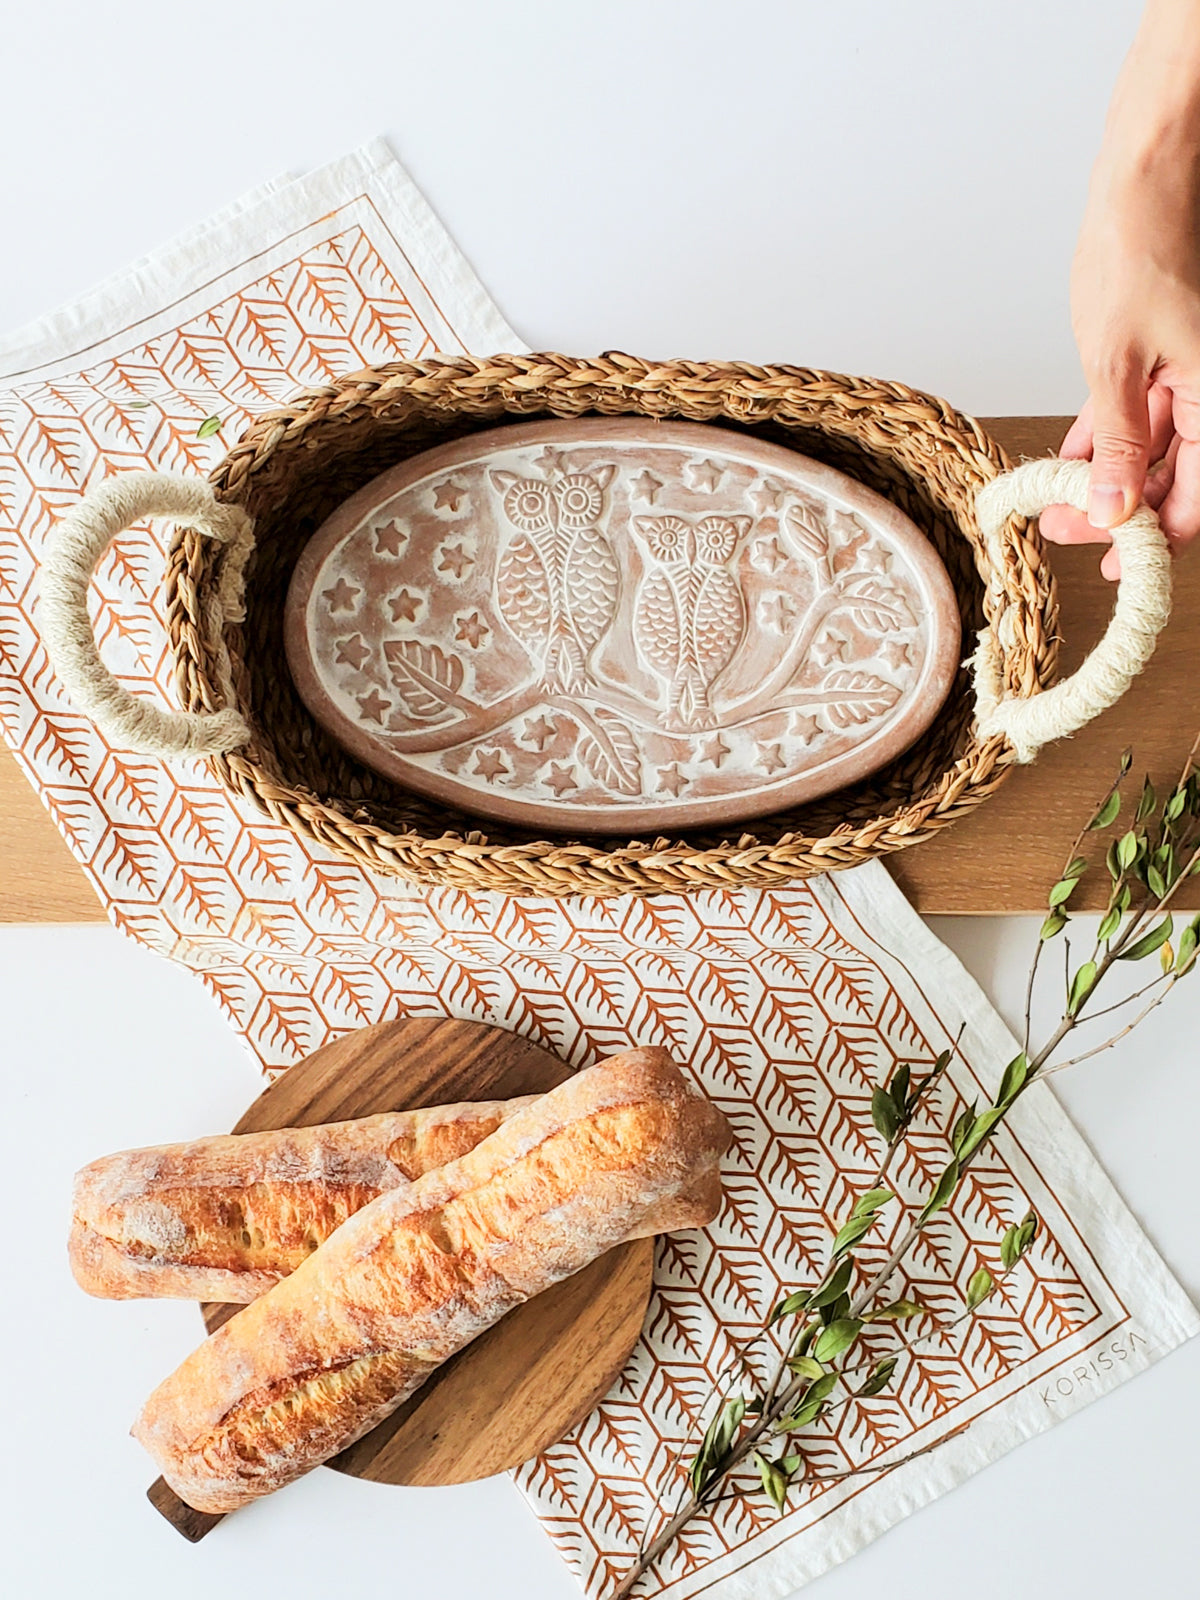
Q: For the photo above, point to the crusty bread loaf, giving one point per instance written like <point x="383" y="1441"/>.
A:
<point x="226" y="1218"/>
<point x="419" y="1272"/>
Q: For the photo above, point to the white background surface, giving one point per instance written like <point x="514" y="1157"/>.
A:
<point x="884" y="188"/>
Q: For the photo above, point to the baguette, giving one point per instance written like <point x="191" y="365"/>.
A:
<point x="419" y="1272"/>
<point x="226" y="1218"/>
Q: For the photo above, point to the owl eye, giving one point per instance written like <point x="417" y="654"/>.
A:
<point x="715" y="539"/>
<point x="527" y="505"/>
<point x="580" y="500"/>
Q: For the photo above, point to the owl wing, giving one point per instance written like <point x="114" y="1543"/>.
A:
<point x="592" y="584"/>
<point x="523" y="593"/>
<point x="720" y="621"/>
<point x="656" y="623"/>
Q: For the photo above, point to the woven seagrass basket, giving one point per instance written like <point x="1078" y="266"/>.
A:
<point x="297" y="463"/>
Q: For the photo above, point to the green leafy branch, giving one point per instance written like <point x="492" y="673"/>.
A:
<point x="759" y="1440"/>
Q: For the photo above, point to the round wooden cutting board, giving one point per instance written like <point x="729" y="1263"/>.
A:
<point x="525" y="1382"/>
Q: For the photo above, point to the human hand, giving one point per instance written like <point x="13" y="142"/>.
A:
<point x="1135" y="301"/>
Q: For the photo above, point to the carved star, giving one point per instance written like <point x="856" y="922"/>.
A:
<point x="560" y="779"/>
<point x="456" y="560"/>
<point x="671" y="780"/>
<point x="390" y="540"/>
<point x="770" y="758"/>
<point x="715" y="750"/>
<point x="372" y="706"/>
<point x="767" y="498"/>
<point x="539" y="733"/>
<point x="705" y="474"/>
<point x="352" y="652"/>
<point x="341" y="596"/>
<point x="449" y="494"/>
<point x="646" y="485"/>
<point x="490" y="764"/>
<point x="778" y="613"/>
<point x="897" y="654"/>
<point x="550" y="461"/>
<point x="472" y="630"/>
<point x="805" y="728"/>
<point x="830" y="647"/>
<point x="404" y="606"/>
<point x="769" y="555"/>
<point x="876" y="559"/>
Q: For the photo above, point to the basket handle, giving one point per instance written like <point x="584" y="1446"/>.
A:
<point x="1143" y="604"/>
<point x="72" y="553"/>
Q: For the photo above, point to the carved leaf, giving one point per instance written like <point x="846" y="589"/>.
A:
<point x="610" y="752"/>
<point x="427" y="679"/>
<point x="877" y="606"/>
<point x="856" y="697"/>
<point x="806" y="529"/>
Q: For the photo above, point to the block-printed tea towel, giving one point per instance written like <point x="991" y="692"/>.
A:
<point x="786" y="1006"/>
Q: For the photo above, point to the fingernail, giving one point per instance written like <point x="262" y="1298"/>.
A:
<point x="1106" y="505"/>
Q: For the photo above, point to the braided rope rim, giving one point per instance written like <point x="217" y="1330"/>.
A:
<point x="295" y="463"/>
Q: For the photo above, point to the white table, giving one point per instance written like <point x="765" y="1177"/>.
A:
<point x="879" y="188"/>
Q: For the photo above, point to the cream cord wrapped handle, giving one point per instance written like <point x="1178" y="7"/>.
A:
<point x="74" y="549"/>
<point x="1142" y="607"/>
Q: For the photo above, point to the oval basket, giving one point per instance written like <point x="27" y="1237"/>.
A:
<point x="230" y="564"/>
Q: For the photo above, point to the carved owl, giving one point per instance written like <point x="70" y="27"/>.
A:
<point x="557" y="582"/>
<point x="690" y="614"/>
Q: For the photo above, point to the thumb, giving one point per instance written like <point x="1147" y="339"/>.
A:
<point x="1121" y="448"/>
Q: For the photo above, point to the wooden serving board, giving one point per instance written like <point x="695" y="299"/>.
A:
<point x="525" y="1382"/>
<point x="1001" y="858"/>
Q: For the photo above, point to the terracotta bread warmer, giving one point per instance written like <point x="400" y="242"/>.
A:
<point x="232" y="560"/>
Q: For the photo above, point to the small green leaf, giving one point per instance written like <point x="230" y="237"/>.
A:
<point x="773" y="1481"/>
<point x="1082" y="985"/>
<point x="1156" y="881"/>
<point x="137" y="405"/>
<point x="898" y="1087"/>
<point x="813" y="1398"/>
<point x="1107" y="813"/>
<point x="791" y="1464"/>
<point x="983" y="1126"/>
<point x="1147" y="802"/>
<point x="850" y="1233"/>
<point x="806" y="1367"/>
<point x="1127" y="850"/>
<point x="980" y="1286"/>
<point x="834" y="1286"/>
<point x="1109" y="924"/>
<point x="1014" y="1077"/>
<point x="1175" y="805"/>
<point x="1054" y="924"/>
<point x="898" y="1311"/>
<point x="946" y="1186"/>
<point x="208" y="427"/>
<point x="1186" y="953"/>
<point x="884" y="1115"/>
<point x="963" y="1129"/>
<point x="1027" y="1232"/>
<point x="1010" y="1252"/>
<point x="789" y="1307"/>
<point x="1062" y="891"/>
<point x="1149" y="942"/>
<point x="1126" y="760"/>
<point x="715" y="1446"/>
<point x="868" y="1204"/>
<point x="1114" y="866"/>
<point x="835" y="1309"/>
<point x="838" y="1336"/>
<point x="878" y="1378"/>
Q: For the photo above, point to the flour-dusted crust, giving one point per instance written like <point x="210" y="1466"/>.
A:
<point x="226" y="1218"/>
<point x="421" y="1271"/>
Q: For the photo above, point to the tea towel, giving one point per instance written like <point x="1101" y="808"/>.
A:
<point x="786" y="1006"/>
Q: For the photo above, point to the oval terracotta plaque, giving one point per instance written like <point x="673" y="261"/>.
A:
<point x="620" y="626"/>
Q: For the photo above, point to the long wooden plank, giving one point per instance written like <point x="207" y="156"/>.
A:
<point x="1000" y="859"/>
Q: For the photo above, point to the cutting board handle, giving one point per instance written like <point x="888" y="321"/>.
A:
<point x="192" y="1524"/>
<point x="1142" y="607"/>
